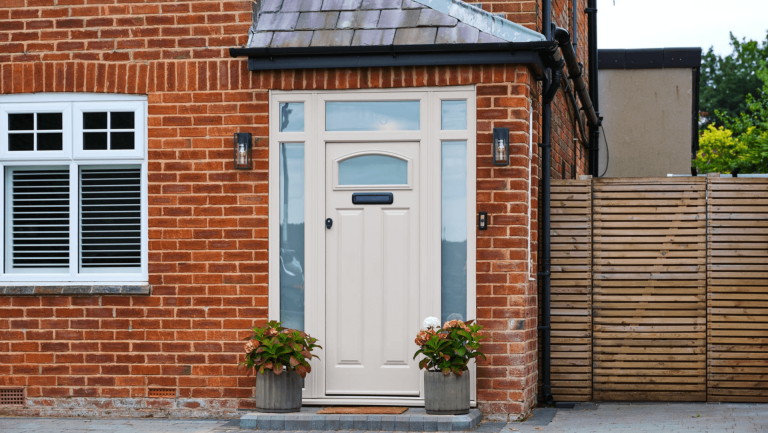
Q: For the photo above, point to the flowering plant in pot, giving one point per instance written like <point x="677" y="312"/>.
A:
<point x="447" y="352"/>
<point x="281" y="356"/>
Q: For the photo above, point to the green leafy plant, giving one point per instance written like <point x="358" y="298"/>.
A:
<point x="272" y="347"/>
<point x="450" y="348"/>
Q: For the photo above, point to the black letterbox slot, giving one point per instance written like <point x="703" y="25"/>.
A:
<point x="372" y="198"/>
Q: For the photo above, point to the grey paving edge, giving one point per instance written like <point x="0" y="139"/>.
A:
<point x="143" y="289"/>
<point x="307" y="419"/>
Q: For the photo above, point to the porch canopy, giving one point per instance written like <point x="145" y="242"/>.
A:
<point x="308" y="34"/>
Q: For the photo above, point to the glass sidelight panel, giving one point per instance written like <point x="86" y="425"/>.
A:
<point x="292" y="235"/>
<point x="292" y="117"/>
<point x="453" y="235"/>
<point x="453" y="116"/>
<point x="372" y="116"/>
<point x="373" y="170"/>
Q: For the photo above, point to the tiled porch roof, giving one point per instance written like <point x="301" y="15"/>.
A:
<point x="340" y="23"/>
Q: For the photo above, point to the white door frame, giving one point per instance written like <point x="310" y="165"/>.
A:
<point x="314" y="138"/>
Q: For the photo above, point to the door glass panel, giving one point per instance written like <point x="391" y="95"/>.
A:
<point x="292" y="235"/>
<point x="453" y="116"/>
<point x="292" y="117"/>
<point x="373" y="170"/>
<point x="372" y="116"/>
<point x="453" y="230"/>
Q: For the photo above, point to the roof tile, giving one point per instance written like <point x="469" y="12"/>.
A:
<point x="291" y="39"/>
<point x="358" y="20"/>
<point x="285" y="21"/>
<point x="301" y="5"/>
<point x="398" y="19"/>
<point x="416" y="36"/>
<point x="332" y="38"/>
<point x="373" y="37"/>
<point x="317" y="20"/>
<point x="271" y="5"/>
<point x="261" y="39"/>
<point x="410" y="4"/>
<point x="486" y="38"/>
<point x="341" y="5"/>
<point x="381" y="4"/>
<point x="460" y="34"/>
<point x="431" y="17"/>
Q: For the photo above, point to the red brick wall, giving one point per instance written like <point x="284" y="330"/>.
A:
<point x="208" y="223"/>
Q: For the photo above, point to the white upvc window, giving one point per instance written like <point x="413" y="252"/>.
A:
<point x="75" y="188"/>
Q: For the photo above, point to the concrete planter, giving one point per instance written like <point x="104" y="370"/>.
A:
<point x="280" y="394"/>
<point x="446" y="395"/>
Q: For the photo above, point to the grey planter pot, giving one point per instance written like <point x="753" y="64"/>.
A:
<point x="278" y="394"/>
<point x="446" y="395"/>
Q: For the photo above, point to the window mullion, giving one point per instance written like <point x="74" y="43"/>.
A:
<point x="74" y="220"/>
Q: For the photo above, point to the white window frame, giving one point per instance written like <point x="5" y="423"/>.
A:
<point x="314" y="138"/>
<point x="72" y="105"/>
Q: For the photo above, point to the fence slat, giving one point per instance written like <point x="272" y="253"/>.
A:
<point x="649" y="278"/>
<point x="571" y="238"/>
<point x="737" y="290"/>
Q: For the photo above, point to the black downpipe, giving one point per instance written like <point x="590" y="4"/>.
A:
<point x="594" y="136"/>
<point x="551" y="84"/>
<point x="551" y="87"/>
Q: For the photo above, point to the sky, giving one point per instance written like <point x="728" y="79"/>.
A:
<point x="679" y="23"/>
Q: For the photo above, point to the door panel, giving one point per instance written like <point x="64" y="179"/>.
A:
<point x="372" y="280"/>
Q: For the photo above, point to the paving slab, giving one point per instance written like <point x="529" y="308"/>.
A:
<point x="647" y="418"/>
<point x="413" y="420"/>
<point x="583" y="418"/>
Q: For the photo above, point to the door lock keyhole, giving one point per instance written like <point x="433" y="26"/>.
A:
<point x="328" y="223"/>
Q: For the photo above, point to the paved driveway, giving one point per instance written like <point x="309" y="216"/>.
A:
<point x="648" y="418"/>
<point x="584" y="418"/>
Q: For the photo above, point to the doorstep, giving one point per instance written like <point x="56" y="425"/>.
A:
<point x="414" y="419"/>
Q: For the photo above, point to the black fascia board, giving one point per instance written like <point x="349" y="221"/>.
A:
<point x="649" y="58"/>
<point x="261" y="59"/>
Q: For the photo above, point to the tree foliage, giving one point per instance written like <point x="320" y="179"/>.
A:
<point x="742" y="140"/>
<point x="726" y="81"/>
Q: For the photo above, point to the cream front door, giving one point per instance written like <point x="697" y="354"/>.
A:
<point x="372" y="268"/>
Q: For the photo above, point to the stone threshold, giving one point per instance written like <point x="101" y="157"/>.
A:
<point x="414" y="419"/>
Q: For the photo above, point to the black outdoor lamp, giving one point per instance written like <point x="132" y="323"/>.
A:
<point x="500" y="146"/>
<point x="243" y="159"/>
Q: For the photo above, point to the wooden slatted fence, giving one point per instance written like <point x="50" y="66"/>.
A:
<point x="649" y="289"/>
<point x="737" y="290"/>
<point x="571" y="289"/>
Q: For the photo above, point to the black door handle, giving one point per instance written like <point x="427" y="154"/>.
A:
<point x="328" y="223"/>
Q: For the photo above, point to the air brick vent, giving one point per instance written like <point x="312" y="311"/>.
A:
<point x="162" y="393"/>
<point x="12" y="397"/>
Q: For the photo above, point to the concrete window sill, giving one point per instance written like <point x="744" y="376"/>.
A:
<point x="114" y="289"/>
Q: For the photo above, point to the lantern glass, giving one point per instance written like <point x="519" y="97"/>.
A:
<point x="242" y="155"/>
<point x="501" y="146"/>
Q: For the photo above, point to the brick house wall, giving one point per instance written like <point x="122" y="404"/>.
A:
<point x="99" y="355"/>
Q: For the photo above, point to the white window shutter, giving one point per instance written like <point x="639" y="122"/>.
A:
<point x="110" y="218"/>
<point x="38" y="210"/>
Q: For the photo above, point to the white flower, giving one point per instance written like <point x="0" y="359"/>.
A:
<point x="431" y="323"/>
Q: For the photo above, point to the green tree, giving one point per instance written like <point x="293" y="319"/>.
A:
<point x="726" y="81"/>
<point x="718" y="150"/>
<point x="742" y="140"/>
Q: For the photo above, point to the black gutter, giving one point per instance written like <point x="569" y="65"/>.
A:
<point x="594" y="136"/>
<point x="262" y="59"/>
<point x="551" y="84"/>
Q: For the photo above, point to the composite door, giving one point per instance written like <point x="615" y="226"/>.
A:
<point x="372" y="268"/>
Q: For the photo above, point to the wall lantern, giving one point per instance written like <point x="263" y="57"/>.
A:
<point x="500" y="146"/>
<point x="243" y="159"/>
